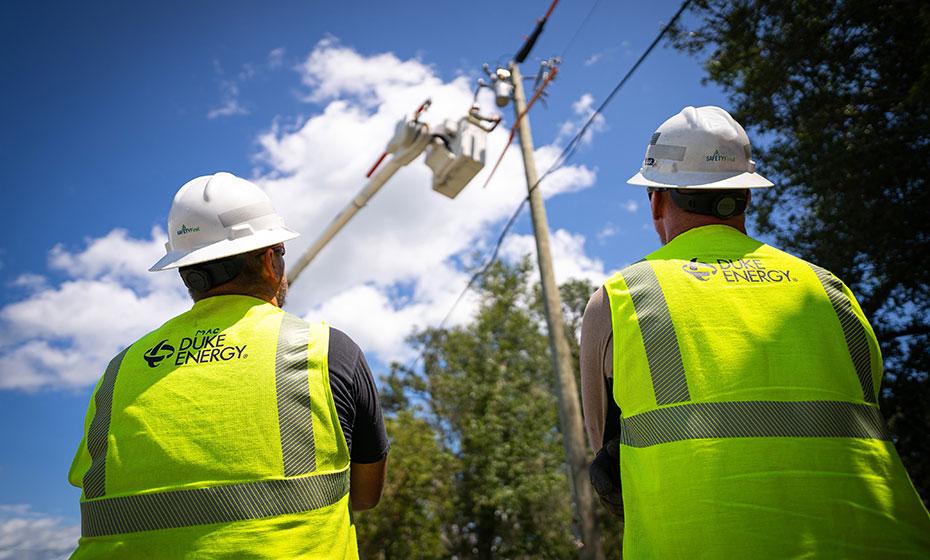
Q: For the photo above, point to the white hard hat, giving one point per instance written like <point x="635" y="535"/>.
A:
<point x="699" y="148"/>
<point x="217" y="216"/>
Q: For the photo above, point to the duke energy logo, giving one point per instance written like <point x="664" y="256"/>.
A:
<point x="205" y="346"/>
<point x="737" y="271"/>
<point x="156" y="354"/>
<point x="701" y="271"/>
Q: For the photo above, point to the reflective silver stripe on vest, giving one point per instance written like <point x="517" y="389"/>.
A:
<point x="292" y="383"/>
<point x="754" y="419"/>
<point x="853" y="331"/>
<point x="219" y="504"/>
<point x="655" y="322"/>
<point x="97" y="441"/>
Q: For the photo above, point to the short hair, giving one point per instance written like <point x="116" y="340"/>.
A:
<point x="248" y="278"/>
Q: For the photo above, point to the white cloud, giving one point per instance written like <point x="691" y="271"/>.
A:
<point x="247" y="72"/>
<point x="27" y="535"/>
<point x="332" y="70"/>
<point x="229" y="91"/>
<point x="380" y="323"/>
<point x="608" y="53"/>
<point x="609" y="230"/>
<point x="584" y="105"/>
<point x="229" y="103"/>
<point x="631" y="206"/>
<point x="276" y="57"/>
<point x="406" y="235"/>
<point x="583" y="108"/>
<point x="594" y="59"/>
<point x="30" y="281"/>
<point x="569" y="259"/>
<point x="395" y="267"/>
<point x="63" y="335"/>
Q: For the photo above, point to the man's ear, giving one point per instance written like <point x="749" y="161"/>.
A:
<point x="269" y="268"/>
<point x="657" y="205"/>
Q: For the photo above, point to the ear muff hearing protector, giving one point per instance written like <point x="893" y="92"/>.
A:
<point x="204" y="276"/>
<point x="721" y="204"/>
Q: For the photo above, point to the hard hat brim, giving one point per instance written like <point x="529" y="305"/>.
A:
<point x="224" y="248"/>
<point x="700" y="180"/>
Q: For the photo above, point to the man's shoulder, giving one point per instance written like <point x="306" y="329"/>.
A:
<point x="342" y="348"/>
<point x="821" y="272"/>
<point x="623" y="274"/>
<point x="598" y="301"/>
<point x="338" y="340"/>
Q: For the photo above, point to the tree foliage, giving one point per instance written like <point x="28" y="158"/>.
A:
<point x="477" y="468"/>
<point x="839" y="93"/>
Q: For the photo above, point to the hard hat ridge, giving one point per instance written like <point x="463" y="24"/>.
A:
<point x="217" y="216"/>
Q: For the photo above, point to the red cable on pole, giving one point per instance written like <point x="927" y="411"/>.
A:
<point x="551" y="8"/>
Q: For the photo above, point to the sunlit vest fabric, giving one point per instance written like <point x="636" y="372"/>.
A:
<point x="216" y="436"/>
<point x="747" y="381"/>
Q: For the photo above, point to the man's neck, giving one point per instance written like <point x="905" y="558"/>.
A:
<point x="674" y="228"/>
<point x="221" y="291"/>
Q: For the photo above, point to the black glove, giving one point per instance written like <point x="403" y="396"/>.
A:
<point x="605" y="476"/>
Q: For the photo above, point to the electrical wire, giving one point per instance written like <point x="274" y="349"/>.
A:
<point x="537" y="31"/>
<point x="584" y="22"/>
<point x="576" y="140"/>
<point x="559" y="162"/>
<point x="549" y="78"/>
<point x="477" y="274"/>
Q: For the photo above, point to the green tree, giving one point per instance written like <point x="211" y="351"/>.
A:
<point x="484" y="474"/>
<point x="417" y="500"/>
<point x="839" y="93"/>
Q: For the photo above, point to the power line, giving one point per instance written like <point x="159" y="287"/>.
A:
<point x="559" y="162"/>
<point x="490" y="261"/>
<point x="584" y="22"/>
<point x="576" y="140"/>
<point x="531" y="40"/>
<point x="550" y="76"/>
<point x="479" y="273"/>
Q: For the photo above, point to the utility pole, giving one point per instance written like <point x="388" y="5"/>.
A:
<point x="569" y="408"/>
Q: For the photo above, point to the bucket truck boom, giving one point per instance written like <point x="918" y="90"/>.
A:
<point x="455" y="153"/>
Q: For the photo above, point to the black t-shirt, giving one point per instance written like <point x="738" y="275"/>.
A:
<point x="356" y="399"/>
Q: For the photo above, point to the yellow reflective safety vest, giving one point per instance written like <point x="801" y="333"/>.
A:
<point x="747" y="381"/>
<point x="216" y="436"/>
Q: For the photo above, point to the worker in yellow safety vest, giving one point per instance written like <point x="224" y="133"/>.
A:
<point x="732" y="388"/>
<point x="234" y="430"/>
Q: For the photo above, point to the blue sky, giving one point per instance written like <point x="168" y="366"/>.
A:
<point x="108" y="107"/>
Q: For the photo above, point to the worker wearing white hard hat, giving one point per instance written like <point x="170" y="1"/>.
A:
<point x="218" y="216"/>
<point x="234" y="429"/>
<point x="731" y="388"/>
